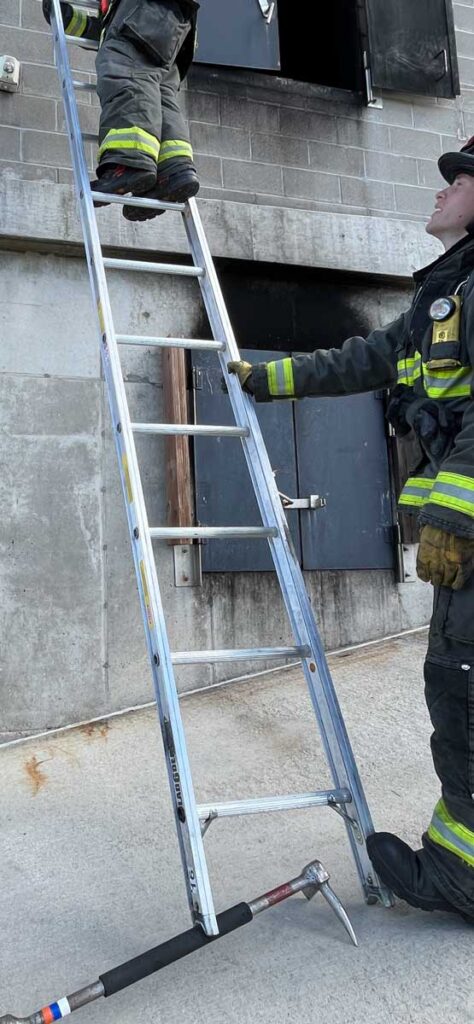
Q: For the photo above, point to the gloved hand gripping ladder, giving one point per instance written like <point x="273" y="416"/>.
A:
<point x="192" y="820"/>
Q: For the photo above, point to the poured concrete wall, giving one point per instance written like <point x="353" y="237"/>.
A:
<point x="72" y="638"/>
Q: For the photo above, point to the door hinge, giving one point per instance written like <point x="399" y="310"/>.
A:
<point x="198" y="378"/>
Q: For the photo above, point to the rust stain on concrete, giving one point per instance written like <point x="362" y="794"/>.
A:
<point x="36" y="777"/>
<point x="96" y="730"/>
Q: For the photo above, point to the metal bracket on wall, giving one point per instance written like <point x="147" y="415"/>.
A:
<point x="187" y="565"/>
<point x="372" y="101"/>
<point x="313" y="502"/>
<point x="267" y="8"/>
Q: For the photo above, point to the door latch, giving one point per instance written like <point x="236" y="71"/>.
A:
<point x="313" y="502"/>
<point x="267" y="8"/>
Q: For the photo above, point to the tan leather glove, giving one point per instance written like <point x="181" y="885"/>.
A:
<point x="444" y="559"/>
<point x="243" y="371"/>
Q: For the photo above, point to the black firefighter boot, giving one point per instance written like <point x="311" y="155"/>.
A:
<point x="403" y="870"/>
<point x="177" y="181"/>
<point x="118" y="179"/>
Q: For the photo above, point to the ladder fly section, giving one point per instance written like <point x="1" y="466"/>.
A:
<point x="347" y="798"/>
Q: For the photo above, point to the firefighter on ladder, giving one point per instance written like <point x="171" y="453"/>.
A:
<point x="145" y="49"/>
<point x="426" y="357"/>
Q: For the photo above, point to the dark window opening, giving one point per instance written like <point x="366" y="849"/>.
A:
<point x="333" y="447"/>
<point x="322" y="45"/>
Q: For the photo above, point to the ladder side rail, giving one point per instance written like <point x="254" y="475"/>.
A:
<point x="177" y="762"/>
<point x="325" y="702"/>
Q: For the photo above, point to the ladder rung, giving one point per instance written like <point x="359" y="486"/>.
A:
<point x="139" y="339"/>
<point x="265" y="804"/>
<point x="241" y="654"/>
<point x="152" y="268"/>
<point x="85" y="86"/>
<point x="90" y="136"/>
<point x="129" y="200"/>
<point x="209" y="532"/>
<point x="193" y="429"/>
<point x="87" y="44"/>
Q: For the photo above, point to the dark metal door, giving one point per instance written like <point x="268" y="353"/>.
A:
<point x="224" y="494"/>
<point x="236" y="32"/>
<point x="342" y="456"/>
<point x="412" y="46"/>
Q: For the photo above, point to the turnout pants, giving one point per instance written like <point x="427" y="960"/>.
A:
<point x="449" y="689"/>
<point x="138" y="81"/>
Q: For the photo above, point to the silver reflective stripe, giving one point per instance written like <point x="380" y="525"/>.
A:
<point x="451" y="836"/>
<point x="280" y="377"/>
<point x="456" y="492"/>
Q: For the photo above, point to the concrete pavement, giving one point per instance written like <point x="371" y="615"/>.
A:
<point x="91" y="873"/>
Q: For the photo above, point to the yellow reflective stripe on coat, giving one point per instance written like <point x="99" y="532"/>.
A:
<point x="171" y="148"/>
<point x="409" y="369"/>
<point x="446" y="831"/>
<point x="130" y="138"/>
<point x="452" y="490"/>
<point x="417" y="491"/>
<point x="78" y="23"/>
<point x="280" y="378"/>
<point x="452" y="383"/>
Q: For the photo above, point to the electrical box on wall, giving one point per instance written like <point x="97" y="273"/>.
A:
<point x="9" y="73"/>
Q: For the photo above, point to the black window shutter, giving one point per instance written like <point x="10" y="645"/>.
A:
<point x="412" y="46"/>
<point x="237" y="33"/>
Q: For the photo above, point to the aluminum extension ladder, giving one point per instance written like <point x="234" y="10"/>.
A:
<point x="192" y="819"/>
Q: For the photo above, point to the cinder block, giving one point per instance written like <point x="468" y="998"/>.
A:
<point x="280" y="149"/>
<point x="394" y="111"/>
<point x="244" y="113"/>
<point x="386" y="167"/>
<point x="88" y="118"/>
<point x="46" y="148"/>
<point x="336" y="159"/>
<point x="201" y="106"/>
<point x="429" y="175"/>
<point x="27" y="111"/>
<point x="32" y="16"/>
<point x="11" y="169"/>
<point x="362" y="134"/>
<point x="38" y="80"/>
<point x="10" y="141"/>
<point x="216" y="141"/>
<point x="430" y="116"/>
<point x="252" y="177"/>
<point x="466" y="71"/>
<point x="463" y="18"/>
<point x="370" y="195"/>
<point x="209" y="169"/>
<point x="311" y="185"/>
<point x="410" y="142"/>
<point x="9" y="12"/>
<point x="414" y="200"/>
<point x="465" y="43"/>
<point x="308" y="125"/>
<point x="36" y="47"/>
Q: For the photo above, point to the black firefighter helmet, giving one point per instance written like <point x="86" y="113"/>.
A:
<point x="452" y="164"/>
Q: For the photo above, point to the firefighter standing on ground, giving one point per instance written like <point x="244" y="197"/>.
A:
<point x="146" y="47"/>
<point x="426" y="357"/>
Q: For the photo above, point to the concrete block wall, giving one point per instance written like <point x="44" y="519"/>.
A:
<point x="256" y="139"/>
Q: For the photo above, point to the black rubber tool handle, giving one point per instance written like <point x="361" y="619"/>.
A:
<point x="177" y="947"/>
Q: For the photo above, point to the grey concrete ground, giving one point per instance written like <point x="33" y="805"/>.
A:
<point x="91" y="876"/>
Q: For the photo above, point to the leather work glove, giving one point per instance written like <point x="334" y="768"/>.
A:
<point x="66" y="11"/>
<point x="243" y="371"/>
<point x="444" y="559"/>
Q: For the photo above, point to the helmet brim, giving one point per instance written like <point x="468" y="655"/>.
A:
<point x="452" y="164"/>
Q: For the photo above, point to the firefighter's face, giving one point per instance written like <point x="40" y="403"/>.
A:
<point x="454" y="207"/>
